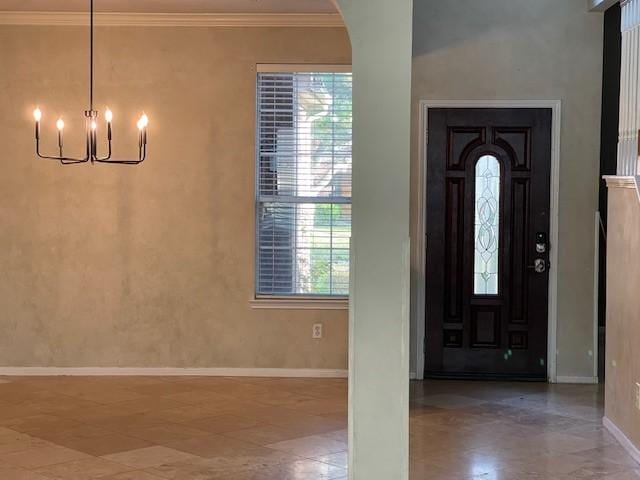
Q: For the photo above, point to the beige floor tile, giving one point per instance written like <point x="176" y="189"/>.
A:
<point x="310" y="446"/>
<point x="106" y="395"/>
<point x="240" y="390"/>
<point x="165" y="388"/>
<point x="41" y="456"/>
<point x="200" y="397"/>
<point x="81" y="430"/>
<point x="12" y="412"/>
<point x="13" y="473"/>
<point x="134" y="475"/>
<point x="90" y="468"/>
<point x="103" y="444"/>
<point x="164" y="433"/>
<point x="283" y="398"/>
<point x="219" y="446"/>
<point x="458" y="430"/>
<point x="140" y="405"/>
<point x="223" y="467"/>
<point x="12" y="441"/>
<point x="223" y="423"/>
<point x="633" y="474"/>
<point x="419" y="470"/>
<point x="610" y="453"/>
<point x="42" y="423"/>
<point x="263" y="434"/>
<point x="58" y="404"/>
<point x="563" y="443"/>
<point x="299" y="470"/>
<point x="185" y="413"/>
<point x="340" y="459"/>
<point x="304" y="424"/>
<point x="18" y="392"/>
<point x="148" y="457"/>
<point x="115" y="420"/>
<point x="320" y="406"/>
<point x="449" y="401"/>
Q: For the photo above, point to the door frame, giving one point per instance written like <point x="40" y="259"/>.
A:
<point x="419" y="293"/>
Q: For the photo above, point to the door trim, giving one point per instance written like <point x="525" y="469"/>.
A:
<point x="419" y="285"/>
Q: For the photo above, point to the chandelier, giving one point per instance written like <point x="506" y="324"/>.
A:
<point x="91" y="127"/>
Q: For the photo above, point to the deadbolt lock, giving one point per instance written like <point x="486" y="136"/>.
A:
<point x="541" y="242"/>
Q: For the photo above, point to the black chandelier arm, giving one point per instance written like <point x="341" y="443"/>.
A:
<point x="142" y="157"/>
<point x="61" y="159"/>
<point x="142" y="152"/>
<point x="103" y="159"/>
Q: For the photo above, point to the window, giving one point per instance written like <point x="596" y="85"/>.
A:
<point x="487" y="226"/>
<point x="303" y="187"/>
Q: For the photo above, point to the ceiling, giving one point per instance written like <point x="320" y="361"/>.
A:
<point x="172" y="6"/>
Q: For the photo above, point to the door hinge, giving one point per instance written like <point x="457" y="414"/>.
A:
<point x="426" y="136"/>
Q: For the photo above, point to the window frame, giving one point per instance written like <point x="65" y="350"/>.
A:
<point x="296" y="302"/>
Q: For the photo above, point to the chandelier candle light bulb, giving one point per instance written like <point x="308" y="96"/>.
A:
<point x="60" y="127"/>
<point x="91" y="125"/>
<point x="37" y="115"/>
<point x="142" y="128"/>
<point x="108" y="116"/>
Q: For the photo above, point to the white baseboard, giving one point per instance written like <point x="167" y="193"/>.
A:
<point x="173" y="372"/>
<point x="622" y="439"/>
<point x="577" y="380"/>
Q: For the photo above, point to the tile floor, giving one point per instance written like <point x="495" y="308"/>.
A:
<point x="194" y="428"/>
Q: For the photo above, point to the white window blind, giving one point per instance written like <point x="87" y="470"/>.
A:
<point x="303" y="187"/>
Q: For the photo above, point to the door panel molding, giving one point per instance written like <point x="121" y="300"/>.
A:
<point x="421" y="229"/>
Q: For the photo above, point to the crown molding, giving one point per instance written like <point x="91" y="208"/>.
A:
<point x="118" y="19"/>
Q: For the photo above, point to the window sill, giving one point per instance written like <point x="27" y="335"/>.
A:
<point x="288" y="303"/>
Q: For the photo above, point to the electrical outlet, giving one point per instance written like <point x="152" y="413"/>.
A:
<point x="317" y="330"/>
<point x="638" y="396"/>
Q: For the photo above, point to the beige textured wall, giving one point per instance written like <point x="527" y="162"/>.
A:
<point x="623" y="307"/>
<point x="520" y="50"/>
<point x="146" y="266"/>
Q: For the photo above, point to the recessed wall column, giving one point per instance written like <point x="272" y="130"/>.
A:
<point x="381" y="36"/>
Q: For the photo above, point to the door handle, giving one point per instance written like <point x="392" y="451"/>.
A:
<point x="539" y="265"/>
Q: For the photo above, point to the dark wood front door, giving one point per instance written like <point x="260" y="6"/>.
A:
<point x="487" y="223"/>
